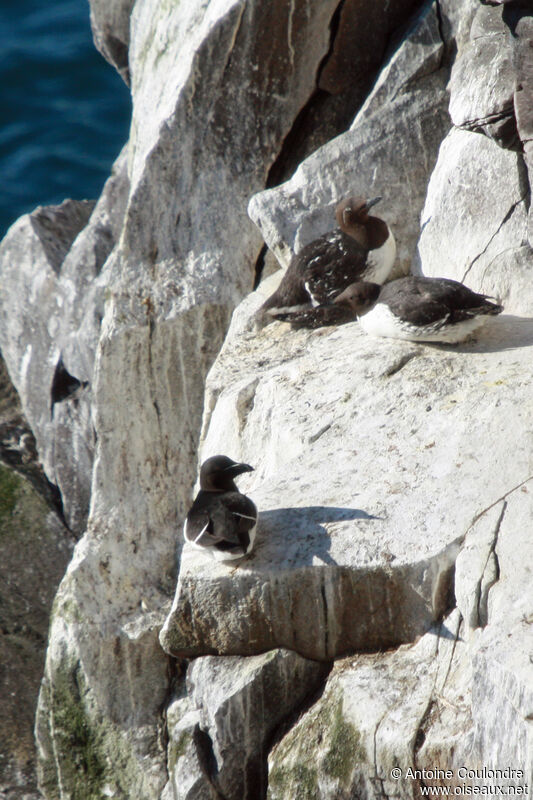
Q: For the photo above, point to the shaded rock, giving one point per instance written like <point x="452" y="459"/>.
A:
<point x="51" y="306"/>
<point x="359" y="43"/>
<point x="365" y="723"/>
<point x="458" y="700"/>
<point x="474" y="223"/>
<point x="411" y="111"/>
<point x="30" y="261"/>
<point x="220" y="733"/>
<point x="455" y="23"/>
<point x="483" y="80"/>
<point x="34" y="551"/>
<point x="110" y="23"/>
<point x="518" y="17"/>
<point x="18" y="450"/>
<point x="187" y="761"/>
<point x="403" y="421"/>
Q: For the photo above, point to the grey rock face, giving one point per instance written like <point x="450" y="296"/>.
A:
<point x="483" y="80"/>
<point x="220" y="733"/>
<point x="110" y="22"/>
<point x="390" y="480"/>
<point x="457" y="700"/>
<point x="389" y="150"/>
<point x="519" y="20"/>
<point x="216" y="87"/>
<point x="28" y="338"/>
<point x="51" y="307"/>
<point x="474" y="226"/>
<point x="375" y="523"/>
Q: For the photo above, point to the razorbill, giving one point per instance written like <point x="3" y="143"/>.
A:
<point x="419" y="309"/>
<point x="221" y="520"/>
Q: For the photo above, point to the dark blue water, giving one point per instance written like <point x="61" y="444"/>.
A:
<point x="64" y="111"/>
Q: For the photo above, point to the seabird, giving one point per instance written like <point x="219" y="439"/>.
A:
<point x="362" y="247"/>
<point x="418" y="309"/>
<point x="221" y="520"/>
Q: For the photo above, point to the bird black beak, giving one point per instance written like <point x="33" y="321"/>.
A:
<point x="370" y="203"/>
<point x="243" y="468"/>
<point x="238" y="469"/>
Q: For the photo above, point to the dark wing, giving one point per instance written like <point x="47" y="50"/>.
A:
<point x="428" y="301"/>
<point x="319" y="272"/>
<point x="330" y="264"/>
<point x="209" y="522"/>
<point x="242" y="516"/>
<point x="291" y="290"/>
<point x="317" y="317"/>
<point x="221" y="520"/>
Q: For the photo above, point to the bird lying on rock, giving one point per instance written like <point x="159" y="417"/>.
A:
<point x="362" y="247"/>
<point x="221" y="520"/>
<point x="419" y="309"/>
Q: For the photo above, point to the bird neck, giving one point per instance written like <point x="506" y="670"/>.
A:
<point x="227" y="484"/>
<point x="358" y="231"/>
<point x="377" y="232"/>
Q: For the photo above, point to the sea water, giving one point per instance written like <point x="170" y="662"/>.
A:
<point x="64" y="111"/>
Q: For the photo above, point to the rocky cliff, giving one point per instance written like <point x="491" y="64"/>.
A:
<point x="383" y="624"/>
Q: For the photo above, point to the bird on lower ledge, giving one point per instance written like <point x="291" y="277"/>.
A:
<point x="418" y="309"/>
<point x="362" y="247"/>
<point x="221" y="520"/>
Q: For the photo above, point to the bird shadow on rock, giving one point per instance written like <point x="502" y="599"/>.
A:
<point x="294" y="536"/>
<point x="506" y="332"/>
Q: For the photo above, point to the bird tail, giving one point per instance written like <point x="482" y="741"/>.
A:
<point x="315" y="316"/>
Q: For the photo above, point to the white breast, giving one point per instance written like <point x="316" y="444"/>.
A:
<point x="380" y="321"/>
<point x="381" y="260"/>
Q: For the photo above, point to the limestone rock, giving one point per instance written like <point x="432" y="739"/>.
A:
<point x="110" y="22"/>
<point x="360" y="42"/>
<point x="352" y="439"/>
<point x="518" y="18"/>
<point x="456" y="22"/>
<point x="402" y="123"/>
<point x="358" y="47"/>
<point x="221" y="732"/>
<point x="31" y="256"/>
<point x="51" y="307"/>
<point x="468" y="236"/>
<point x="395" y="429"/>
<point x="85" y="275"/>
<point x="458" y="700"/>
<point x="17" y="443"/>
<point x="216" y="88"/>
<point x="364" y="724"/>
<point x="483" y="80"/>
